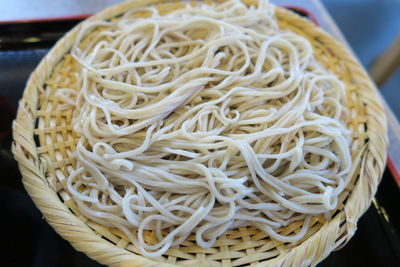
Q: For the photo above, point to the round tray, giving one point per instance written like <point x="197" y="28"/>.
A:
<point x="44" y="143"/>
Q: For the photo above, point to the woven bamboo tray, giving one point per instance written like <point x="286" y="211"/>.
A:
<point x="44" y="143"/>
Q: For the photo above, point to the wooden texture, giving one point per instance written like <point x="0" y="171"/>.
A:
<point x="44" y="143"/>
<point x="386" y="64"/>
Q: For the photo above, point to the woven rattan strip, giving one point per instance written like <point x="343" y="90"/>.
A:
<point x="45" y="142"/>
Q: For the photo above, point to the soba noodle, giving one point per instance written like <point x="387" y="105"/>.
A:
<point x="206" y="119"/>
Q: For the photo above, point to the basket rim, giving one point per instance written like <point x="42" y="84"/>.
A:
<point x="337" y="230"/>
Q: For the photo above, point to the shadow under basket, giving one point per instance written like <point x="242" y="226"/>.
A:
<point x="44" y="142"/>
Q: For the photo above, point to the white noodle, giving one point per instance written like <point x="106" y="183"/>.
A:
<point x="202" y="120"/>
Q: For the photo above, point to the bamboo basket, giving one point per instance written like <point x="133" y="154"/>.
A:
<point x="44" y="142"/>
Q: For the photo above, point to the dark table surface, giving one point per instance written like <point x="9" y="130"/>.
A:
<point x="27" y="239"/>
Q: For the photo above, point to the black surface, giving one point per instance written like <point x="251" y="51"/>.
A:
<point x="27" y="239"/>
<point x="38" y="34"/>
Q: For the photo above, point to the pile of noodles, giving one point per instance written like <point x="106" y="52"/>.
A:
<point x="205" y="119"/>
